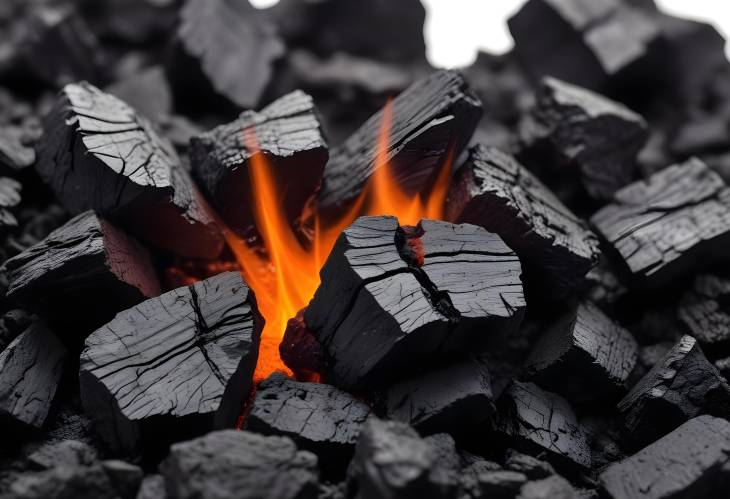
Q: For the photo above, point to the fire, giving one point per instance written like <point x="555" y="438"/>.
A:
<point x="285" y="276"/>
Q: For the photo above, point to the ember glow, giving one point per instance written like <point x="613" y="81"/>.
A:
<point x="285" y="276"/>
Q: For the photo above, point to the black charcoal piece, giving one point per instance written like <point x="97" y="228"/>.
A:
<point x="432" y="116"/>
<point x="682" y="385"/>
<point x="392" y="299"/>
<point x="533" y="468"/>
<point x="585" y="356"/>
<point x="288" y="135"/>
<point x="456" y="399"/>
<point x="537" y="422"/>
<point x="30" y="370"/>
<point x="9" y="199"/>
<point x="86" y="270"/>
<point x="147" y="91"/>
<point x="318" y="417"/>
<point x="183" y="361"/>
<point x="99" y="154"/>
<point x="576" y="134"/>
<point x="125" y="478"/>
<point x="63" y="481"/>
<point x="152" y="487"/>
<point x="553" y="487"/>
<point x="690" y="462"/>
<point x="677" y="221"/>
<point x="494" y="191"/>
<point x="66" y="452"/>
<point x="15" y="155"/>
<point x="240" y="465"/>
<point x="497" y="484"/>
<point x="705" y="310"/>
<point x="300" y="350"/>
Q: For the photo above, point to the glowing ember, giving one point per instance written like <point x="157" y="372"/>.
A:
<point x="286" y="276"/>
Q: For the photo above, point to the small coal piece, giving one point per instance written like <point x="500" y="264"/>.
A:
<point x="148" y="91"/>
<point x="9" y="199"/>
<point x="705" y="310"/>
<point x="15" y="155"/>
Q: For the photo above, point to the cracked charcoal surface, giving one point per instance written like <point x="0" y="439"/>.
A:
<point x="705" y="310"/>
<point x="585" y="356"/>
<point x="100" y="154"/>
<point x="689" y="462"/>
<point x="376" y="308"/>
<point x="190" y="352"/>
<point x="494" y="191"/>
<point x="432" y="114"/>
<point x="288" y="133"/>
<point x="680" y="386"/>
<point x="675" y="222"/>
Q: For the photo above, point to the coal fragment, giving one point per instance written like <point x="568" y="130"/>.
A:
<point x="577" y="134"/>
<point x="585" y="356"/>
<point x="673" y="223"/>
<point x="9" y="198"/>
<point x="705" y="310"/>
<point x="87" y="261"/>
<point x="690" y="462"/>
<point x="147" y="91"/>
<point x="531" y="467"/>
<point x="30" y="370"/>
<point x="15" y="155"/>
<point x="177" y="365"/>
<point x="682" y="385"/>
<point x="152" y="487"/>
<point x="300" y="350"/>
<point x="392" y="300"/>
<point x="125" y="478"/>
<point x="100" y="154"/>
<point x="288" y="135"/>
<point x="240" y="465"/>
<point x="63" y="481"/>
<point x="494" y="191"/>
<point x="552" y="487"/>
<point x="498" y="484"/>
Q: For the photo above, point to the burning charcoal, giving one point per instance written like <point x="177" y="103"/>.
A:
<point x="86" y="261"/>
<point x="393" y="461"/>
<point x="692" y="461"/>
<point x="300" y="350"/>
<point x="454" y="399"/>
<point x="682" y="385"/>
<point x="537" y="421"/>
<point x="147" y="91"/>
<point x="100" y="154"/>
<point x="319" y="418"/>
<point x="705" y="310"/>
<point x="494" y="191"/>
<point x="287" y="133"/>
<point x="553" y="487"/>
<point x="241" y="465"/>
<point x="30" y="370"/>
<point x="432" y="116"/>
<point x="183" y="361"/>
<point x="15" y="155"/>
<point x="223" y="54"/>
<point x="9" y="198"/>
<point x="392" y="299"/>
<point x="533" y="468"/>
<point x="584" y="357"/>
<point x="675" y="222"/>
<point x="582" y="135"/>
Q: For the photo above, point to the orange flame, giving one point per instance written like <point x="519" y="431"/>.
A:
<point x="285" y="278"/>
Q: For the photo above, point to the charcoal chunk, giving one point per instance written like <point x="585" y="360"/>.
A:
<point x="152" y="487"/>
<point x="147" y="91"/>
<point x="705" y="310"/>
<point x="690" y="462"/>
<point x="585" y="356"/>
<point x="241" y="465"/>
<point x="300" y="350"/>
<point x="553" y="487"/>
<point x="64" y="481"/>
<point x="494" y="191"/>
<point x="675" y="222"/>
<point x="15" y="155"/>
<point x="531" y="467"/>
<point x="100" y="154"/>
<point x="389" y="301"/>
<point x="180" y="364"/>
<point x="70" y="452"/>
<point x="682" y="385"/>
<point x="9" y="198"/>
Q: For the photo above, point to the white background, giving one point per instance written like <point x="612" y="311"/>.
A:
<point x="456" y="29"/>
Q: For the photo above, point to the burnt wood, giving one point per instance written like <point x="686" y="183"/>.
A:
<point x="84" y="273"/>
<point x="288" y="135"/>
<point x="705" y="310"/>
<point x="300" y="350"/>
<point x="675" y="222"/>
<point x="173" y="366"/>
<point x="680" y="386"/>
<point x="147" y="91"/>
<point x="394" y="299"/>
<point x="100" y="154"/>
<point x="30" y="371"/>
<point x="432" y="115"/>
<point x="9" y="199"/>
<point x="585" y="357"/>
<point x="494" y="191"/>
<point x="15" y="155"/>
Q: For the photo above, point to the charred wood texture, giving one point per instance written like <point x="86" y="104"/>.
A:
<point x="99" y="154"/>
<point x="675" y="222"/>
<point x="30" y="370"/>
<point x="705" y="310"/>
<point x="394" y="299"/>
<point x="680" y="386"/>
<point x="494" y="191"/>
<point x="87" y="270"/>
<point x="241" y="465"/>
<point x="288" y="135"/>
<point x="184" y="361"/>
<point x="574" y="133"/>
<point x="430" y="117"/>
<point x="584" y="357"/>
<point x="691" y="461"/>
<point x="300" y="350"/>
<point x="9" y="199"/>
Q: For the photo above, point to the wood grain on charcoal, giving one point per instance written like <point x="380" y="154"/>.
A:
<point x="705" y="310"/>
<point x="9" y="199"/>
<point x="100" y="154"/>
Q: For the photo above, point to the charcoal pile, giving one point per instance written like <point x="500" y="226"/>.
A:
<point x="275" y="253"/>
